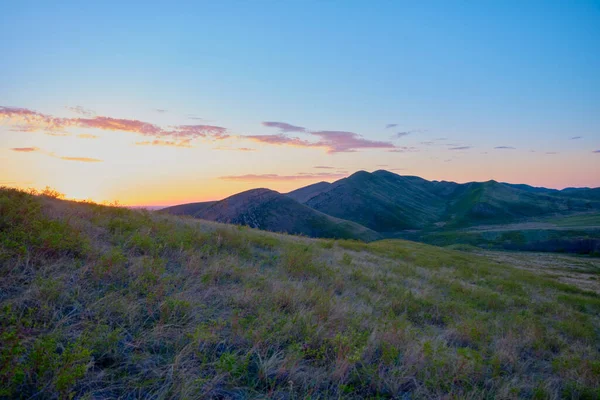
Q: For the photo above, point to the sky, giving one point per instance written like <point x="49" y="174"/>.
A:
<point x="160" y="103"/>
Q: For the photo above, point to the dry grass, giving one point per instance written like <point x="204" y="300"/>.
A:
<point x="102" y="302"/>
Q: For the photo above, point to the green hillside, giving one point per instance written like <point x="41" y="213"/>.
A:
<point x="272" y="211"/>
<point x="382" y="201"/>
<point x="101" y="302"/>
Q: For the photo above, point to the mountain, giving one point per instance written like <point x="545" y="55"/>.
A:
<point x="367" y="206"/>
<point x="269" y="210"/>
<point x="305" y="193"/>
<point x="498" y="203"/>
<point x="191" y="209"/>
<point x="381" y="201"/>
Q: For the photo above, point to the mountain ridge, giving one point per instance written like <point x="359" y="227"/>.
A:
<point x="372" y="205"/>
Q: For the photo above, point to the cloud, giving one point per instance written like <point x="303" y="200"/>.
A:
<point x="341" y="141"/>
<point x="428" y="143"/>
<point x="81" y="111"/>
<point x="505" y="148"/>
<point x="323" y="167"/>
<point x="167" y="143"/>
<point x="403" y="149"/>
<point x="281" y="139"/>
<point x="81" y="159"/>
<point x="283" y="126"/>
<point x="460" y="148"/>
<point x="388" y="126"/>
<point x="25" y="120"/>
<point x="277" y="177"/>
<point x="397" y="169"/>
<point x="196" y="131"/>
<point x="87" y="136"/>
<point x="160" y="110"/>
<point x="54" y="155"/>
<point x="596" y="151"/>
<point x="576" y="137"/>
<point x="193" y="116"/>
<point x="551" y="152"/>
<point x="235" y="148"/>
<point x="399" y="135"/>
<point x="382" y="165"/>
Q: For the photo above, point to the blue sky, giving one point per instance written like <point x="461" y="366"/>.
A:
<point x="521" y="74"/>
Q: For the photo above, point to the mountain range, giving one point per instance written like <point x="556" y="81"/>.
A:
<point x="370" y="206"/>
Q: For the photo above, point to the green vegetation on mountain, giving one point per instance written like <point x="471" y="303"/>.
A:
<point x="390" y="205"/>
<point x="105" y="302"/>
<point x="272" y="211"/>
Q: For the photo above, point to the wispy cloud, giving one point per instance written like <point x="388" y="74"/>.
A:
<point x="277" y="177"/>
<point x="551" y="152"/>
<point x="596" y="151"/>
<point x="81" y="159"/>
<point x="505" y="148"/>
<point x="81" y="111"/>
<point x="576" y="137"/>
<point x="166" y="143"/>
<point x="235" y="148"/>
<point x="87" y="136"/>
<point x="25" y="120"/>
<point x="25" y="149"/>
<point x="54" y="155"/>
<point x="388" y="126"/>
<point x="332" y="141"/>
<point x="460" y="148"/>
<point x="341" y="141"/>
<point x="403" y="149"/>
<point x="283" y="126"/>
<point x="323" y="167"/>
<point x="401" y="134"/>
<point x="160" y="110"/>
<point x="193" y="116"/>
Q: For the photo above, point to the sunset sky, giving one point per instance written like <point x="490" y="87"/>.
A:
<point x="160" y="103"/>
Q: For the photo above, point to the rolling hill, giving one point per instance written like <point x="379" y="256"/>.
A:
<point x="272" y="211"/>
<point x="390" y="205"/>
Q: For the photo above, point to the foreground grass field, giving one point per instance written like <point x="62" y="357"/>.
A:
<point x="104" y="302"/>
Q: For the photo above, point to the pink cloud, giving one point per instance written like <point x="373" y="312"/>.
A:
<point x="25" y="120"/>
<point x="117" y="124"/>
<point x="332" y="141"/>
<point x="196" y="131"/>
<point x="25" y="149"/>
<point x="341" y="141"/>
<point x="87" y="136"/>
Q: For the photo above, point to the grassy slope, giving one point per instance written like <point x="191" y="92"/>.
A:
<point x="382" y="201"/>
<point x="106" y="302"/>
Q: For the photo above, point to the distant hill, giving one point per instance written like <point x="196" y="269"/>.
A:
<point x="382" y="201"/>
<point x="269" y="210"/>
<point x="367" y="206"/>
<point x="189" y="209"/>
